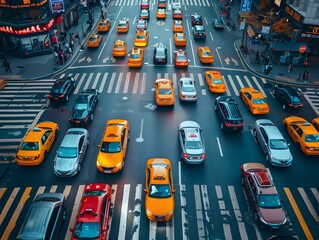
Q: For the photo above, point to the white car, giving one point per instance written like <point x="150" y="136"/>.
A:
<point x="141" y="24"/>
<point x="187" y="90"/>
<point x="71" y="152"/>
<point x="176" y="5"/>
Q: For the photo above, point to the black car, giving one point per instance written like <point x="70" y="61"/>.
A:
<point x="83" y="109"/>
<point x="160" y="54"/>
<point x="62" y="89"/>
<point x="287" y="96"/>
<point x="218" y="23"/>
<point x="199" y="32"/>
<point x="196" y="19"/>
<point x="228" y="114"/>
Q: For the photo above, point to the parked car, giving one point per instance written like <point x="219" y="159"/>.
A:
<point x="262" y="195"/>
<point x="62" y="89"/>
<point x="191" y="141"/>
<point x="273" y="144"/>
<point x="71" y="152"/>
<point x="287" y="96"/>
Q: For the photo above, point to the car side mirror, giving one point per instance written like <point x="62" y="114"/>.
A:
<point x="145" y="190"/>
<point x="81" y="152"/>
<point x="174" y="191"/>
<point x="99" y="146"/>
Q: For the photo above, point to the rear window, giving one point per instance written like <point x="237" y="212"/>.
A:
<point x="87" y="230"/>
<point x="165" y="91"/>
<point x="259" y="101"/>
<point x="193" y="145"/>
<point x="30" y="146"/>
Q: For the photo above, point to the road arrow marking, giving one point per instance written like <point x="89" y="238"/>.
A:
<point x="227" y="60"/>
<point x="106" y="59"/>
<point x="234" y="61"/>
<point x="113" y="59"/>
<point x="88" y="59"/>
<point x="82" y="59"/>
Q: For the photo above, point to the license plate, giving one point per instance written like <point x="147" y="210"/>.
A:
<point x="261" y="109"/>
<point x="77" y="121"/>
<point x="106" y="171"/>
<point x="56" y="98"/>
<point x="195" y="157"/>
<point x="165" y="100"/>
<point x="234" y="128"/>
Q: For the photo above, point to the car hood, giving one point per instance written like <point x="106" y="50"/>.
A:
<point x="282" y="154"/>
<point x="273" y="216"/>
<point x="64" y="164"/>
<point x="109" y="159"/>
<point x="79" y="114"/>
<point x="159" y="206"/>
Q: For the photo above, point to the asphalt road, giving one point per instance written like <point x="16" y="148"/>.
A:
<point x="209" y="202"/>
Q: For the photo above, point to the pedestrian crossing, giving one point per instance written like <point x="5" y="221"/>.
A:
<point x="203" y="3"/>
<point x="312" y="97"/>
<point x="209" y="210"/>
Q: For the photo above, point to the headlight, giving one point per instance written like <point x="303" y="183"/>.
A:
<point x="148" y="212"/>
<point x="262" y="220"/>
<point x="118" y="165"/>
<point x="97" y="164"/>
<point x="170" y="213"/>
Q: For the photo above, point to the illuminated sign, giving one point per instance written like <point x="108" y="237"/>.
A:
<point x="21" y="4"/>
<point x="245" y="5"/>
<point x="27" y="30"/>
<point x="297" y="16"/>
<point x="57" y="6"/>
<point x="311" y="29"/>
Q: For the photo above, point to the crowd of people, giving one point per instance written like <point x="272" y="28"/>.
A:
<point x="65" y="48"/>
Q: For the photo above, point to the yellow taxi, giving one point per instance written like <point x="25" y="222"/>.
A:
<point x="180" y="58"/>
<point x="37" y="143"/>
<point x="119" y="49"/>
<point x="161" y="4"/>
<point x="159" y="190"/>
<point x="103" y="25"/>
<point x="141" y="38"/>
<point x="304" y="134"/>
<point x="178" y="26"/>
<point x="164" y="92"/>
<point x="123" y="26"/>
<point x="254" y="100"/>
<point x="112" y="149"/>
<point x="136" y="56"/>
<point x="315" y="123"/>
<point x="180" y="39"/>
<point x="215" y="82"/>
<point x="94" y="40"/>
<point x="205" y="55"/>
<point x="161" y="13"/>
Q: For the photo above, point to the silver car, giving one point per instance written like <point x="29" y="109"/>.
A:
<point x="187" y="90"/>
<point x="70" y="154"/>
<point x="191" y="142"/>
<point x="273" y="143"/>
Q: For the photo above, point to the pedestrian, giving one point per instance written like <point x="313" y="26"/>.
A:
<point x="304" y="75"/>
<point x="6" y="65"/>
<point x="257" y="57"/>
<point x="267" y="46"/>
<point x="307" y="76"/>
<point x="290" y="67"/>
<point x="78" y="38"/>
<point x="267" y="59"/>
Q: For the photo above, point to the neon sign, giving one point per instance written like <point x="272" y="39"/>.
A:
<point x="27" y="30"/>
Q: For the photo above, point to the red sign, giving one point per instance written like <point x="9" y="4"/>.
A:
<point x="302" y="49"/>
<point x="28" y="30"/>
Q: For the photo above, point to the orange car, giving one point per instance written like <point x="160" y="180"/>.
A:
<point x="205" y="54"/>
<point x="164" y="92"/>
<point x="180" y="58"/>
<point x="178" y="26"/>
<point x="215" y="82"/>
<point x="180" y="39"/>
<point x="103" y="25"/>
<point x="315" y="123"/>
<point x="254" y="100"/>
<point x="141" y="38"/>
<point x="112" y="149"/>
<point x="159" y="190"/>
<point x="161" y="13"/>
<point x="123" y="26"/>
<point x="94" y="40"/>
<point x="303" y="134"/>
<point x="37" y="143"/>
<point x="161" y="4"/>
<point x="136" y="56"/>
<point x="119" y="49"/>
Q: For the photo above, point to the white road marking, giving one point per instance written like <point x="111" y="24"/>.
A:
<point x="123" y="218"/>
<point x="219" y="146"/>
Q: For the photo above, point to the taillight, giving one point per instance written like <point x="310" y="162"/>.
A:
<point x="36" y="157"/>
<point x="49" y="95"/>
<point x="195" y="96"/>
<point x="181" y="95"/>
<point x="62" y="96"/>
<point x="202" y="156"/>
<point x="185" y="155"/>
<point x="85" y="119"/>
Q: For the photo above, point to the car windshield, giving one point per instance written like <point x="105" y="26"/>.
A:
<point x="217" y="81"/>
<point x="118" y="46"/>
<point x="94" y="193"/>
<point x="165" y="91"/>
<point x="193" y="144"/>
<point x="140" y="36"/>
<point x="180" y="37"/>
<point x="181" y="58"/>
<point x="92" y="39"/>
<point x="30" y="146"/>
<point x="188" y="89"/>
<point x="103" y="24"/>
<point x="135" y="56"/>
<point x="207" y="54"/>
<point x="122" y="24"/>
<point x="159" y="191"/>
<point x="111" y="147"/>
<point x="278" y="144"/>
<point x="87" y="230"/>
<point x="218" y="21"/>
<point x="67" y="152"/>
<point x="259" y="101"/>
<point x="312" y="138"/>
<point x="178" y="24"/>
<point x="81" y="106"/>
<point x="269" y="201"/>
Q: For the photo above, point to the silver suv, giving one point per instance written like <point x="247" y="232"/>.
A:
<point x="273" y="143"/>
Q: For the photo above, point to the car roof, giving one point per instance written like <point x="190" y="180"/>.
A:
<point x="187" y="81"/>
<point x="72" y="137"/>
<point x="199" y="27"/>
<point x="192" y="134"/>
<point x="269" y="127"/>
<point x="159" y="168"/>
<point x="113" y="130"/>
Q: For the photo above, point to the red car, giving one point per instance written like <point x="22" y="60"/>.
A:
<point x="93" y="217"/>
<point x="196" y="19"/>
<point x="263" y="197"/>
<point x="180" y="58"/>
<point x="145" y="4"/>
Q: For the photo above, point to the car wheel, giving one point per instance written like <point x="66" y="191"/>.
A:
<point x="284" y="107"/>
<point x="123" y="164"/>
<point x="242" y="181"/>
<point x="182" y="156"/>
<point x="97" y="97"/>
<point x="67" y="98"/>
<point x="248" y="108"/>
<point x="254" y="133"/>
<point x="45" y="155"/>
<point x="285" y="127"/>
<point x="273" y="92"/>
<point x="221" y="126"/>
<point x="256" y="217"/>
<point x="56" y="133"/>
<point x="73" y="84"/>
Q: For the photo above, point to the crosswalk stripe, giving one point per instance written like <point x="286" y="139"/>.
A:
<point x="2" y="140"/>
<point x="8" y="204"/>
<point x="206" y="205"/>
<point x="258" y="85"/>
<point x="233" y="85"/>
<point x="185" y="226"/>
<point x="109" y="90"/>
<point x="223" y="211"/>
<point x="123" y="218"/>
<point x="66" y="191"/>
<point x="75" y="210"/>
<point x="40" y="191"/>
<point x="88" y="81"/>
<point x="313" y="190"/>
<point x="137" y="76"/>
<point x="76" y="90"/>
<point x="119" y="82"/>
<point x="12" y="223"/>
<point x="103" y="82"/>
<point x="152" y="227"/>
<point x="170" y="229"/>
<point x="248" y="82"/>
<point x="2" y="192"/>
<point x="127" y="82"/>
<point x="53" y="188"/>
<point x="18" y="89"/>
<point x="143" y="85"/>
<point x="174" y="80"/>
<point x="137" y="212"/>
<point x="96" y="79"/>
<point x="239" y="81"/>
<point x="199" y="213"/>
<point x="308" y="204"/>
<point x="113" y="197"/>
<point x="158" y="75"/>
<point x="17" y="115"/>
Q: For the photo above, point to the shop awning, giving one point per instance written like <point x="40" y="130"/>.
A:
<point x="288" y="46"/>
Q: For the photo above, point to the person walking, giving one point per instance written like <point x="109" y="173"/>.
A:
<point x="6" y="65"/>
<point x="290" y="67"/>
<point x="257" y="57"/>
<point x="304" y="75"/>
<point x="307" y="76"/>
